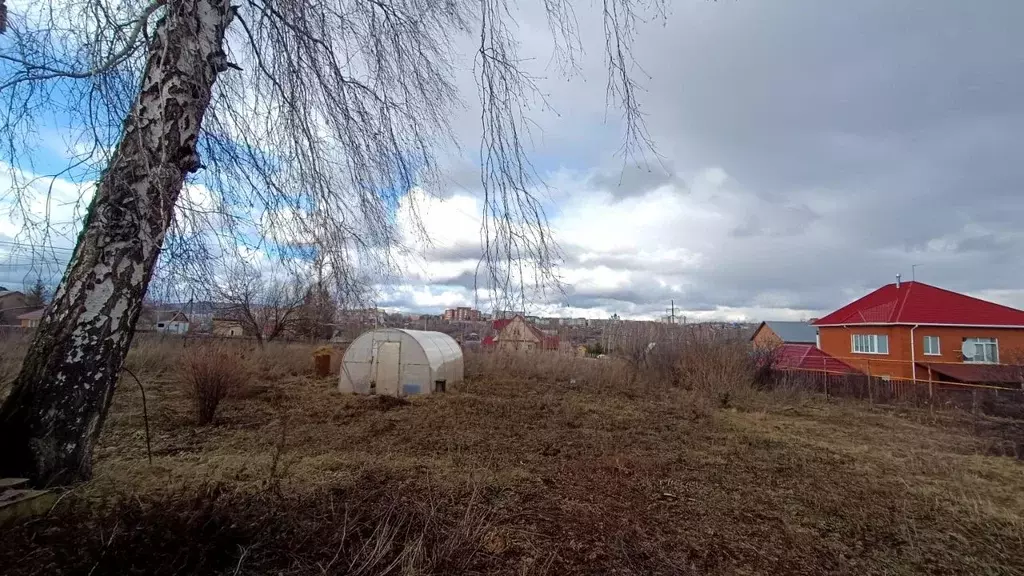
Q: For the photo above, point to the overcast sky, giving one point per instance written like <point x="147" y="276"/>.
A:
<point x="810" y="151"/>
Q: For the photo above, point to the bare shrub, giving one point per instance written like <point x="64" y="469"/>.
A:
<point x="721" y="368"/>
<point x="211" y="373"/>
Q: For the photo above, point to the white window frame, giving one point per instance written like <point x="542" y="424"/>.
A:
<point x="938" y="346"/>
<point x="873" y="348"/>
<point x="994" y="342"/>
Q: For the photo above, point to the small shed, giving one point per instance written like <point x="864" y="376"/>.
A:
<point x="400" y="362"/>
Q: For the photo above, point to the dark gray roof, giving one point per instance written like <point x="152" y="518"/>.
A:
<point x="794" y="332"/>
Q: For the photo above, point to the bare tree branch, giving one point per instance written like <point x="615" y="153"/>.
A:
<point x="289" y="130"/>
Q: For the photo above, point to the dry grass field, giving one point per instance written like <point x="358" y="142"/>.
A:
<point x="553" y="467"/>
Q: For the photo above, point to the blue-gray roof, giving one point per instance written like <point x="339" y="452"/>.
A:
<point x="794" y="332"/>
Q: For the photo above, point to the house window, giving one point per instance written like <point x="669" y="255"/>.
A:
<point x="986" y="350"/>
<point x="931" y="345"/>
<point x="871" y="343"/>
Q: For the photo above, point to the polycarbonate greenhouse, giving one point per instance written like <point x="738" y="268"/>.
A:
<point x="400" y="362"/>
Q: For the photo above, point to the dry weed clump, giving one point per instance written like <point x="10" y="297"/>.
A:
<point x="604" y="373"/>
<point x="154" y="355"/>
<point x="722" y="369"/>
<point x="214" y="529"/>
<point x="212" y="372"/>
<point x="283" y="359"/>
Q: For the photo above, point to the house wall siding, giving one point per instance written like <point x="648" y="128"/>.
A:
<point x="517" y="336"/>
<point x="766" y="339"/>
<point x="837" y="341"/>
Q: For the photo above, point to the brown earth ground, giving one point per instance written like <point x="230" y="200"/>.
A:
<point x="514" y="473"/>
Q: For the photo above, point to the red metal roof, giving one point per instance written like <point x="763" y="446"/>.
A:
<point x="487" y="341"/>
<point x="809" y="357"/>
<point x="499" y="324"/>
<point x="974" y="373"/>
<point x="919" y="303"/>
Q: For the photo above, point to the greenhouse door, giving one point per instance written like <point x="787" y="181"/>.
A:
<point x="388" y="355"/>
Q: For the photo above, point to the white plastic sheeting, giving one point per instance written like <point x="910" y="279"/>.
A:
<point x="400" y="362"/>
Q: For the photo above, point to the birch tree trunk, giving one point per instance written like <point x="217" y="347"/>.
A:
<point x="53" y="416"/>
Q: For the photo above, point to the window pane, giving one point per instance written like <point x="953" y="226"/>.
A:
<point x="984" y="350"/>
<point x="883" y="344"/>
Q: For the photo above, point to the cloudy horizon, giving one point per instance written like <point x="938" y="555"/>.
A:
<point x="805" y="154"/>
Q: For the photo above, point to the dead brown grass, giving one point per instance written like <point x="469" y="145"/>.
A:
<point x="541" y="465"/>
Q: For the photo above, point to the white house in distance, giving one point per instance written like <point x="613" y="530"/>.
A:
<point x="175" y="323"/>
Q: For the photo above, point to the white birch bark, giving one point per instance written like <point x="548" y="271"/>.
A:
<point x="50" y="422"/>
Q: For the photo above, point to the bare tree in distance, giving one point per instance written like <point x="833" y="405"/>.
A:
<point x="637" y="342"/>
<point x="268" y="126"/>
<point x="267" y="308"/>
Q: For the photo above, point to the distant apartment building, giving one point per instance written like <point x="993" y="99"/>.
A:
<point x="462" y="314"/>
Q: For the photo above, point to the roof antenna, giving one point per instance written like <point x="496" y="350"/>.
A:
<point x="897" y="281"/>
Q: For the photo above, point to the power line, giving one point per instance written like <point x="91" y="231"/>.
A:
<point x="27" y="245"/>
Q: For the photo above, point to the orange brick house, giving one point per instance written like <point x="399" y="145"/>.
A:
<point x="913" y="330"/>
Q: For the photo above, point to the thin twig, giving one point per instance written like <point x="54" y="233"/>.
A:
<point x="145" y="413"/>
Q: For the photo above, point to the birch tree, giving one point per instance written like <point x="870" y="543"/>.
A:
<point x="273" y="125"/>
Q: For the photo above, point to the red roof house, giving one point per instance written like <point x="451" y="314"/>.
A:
<point x="894" y="330"/>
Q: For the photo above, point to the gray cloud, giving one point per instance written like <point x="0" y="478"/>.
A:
<point x="636" y="179"/>
<point x="860" y="138"/>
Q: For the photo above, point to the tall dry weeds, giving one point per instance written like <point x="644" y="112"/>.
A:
<point x="153" y="355"/>
<point x="366" y="529"/>
<point x="211" y="372"/>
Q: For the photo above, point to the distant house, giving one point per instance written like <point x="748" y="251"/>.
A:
<point x="517" y="335"/>
<point x="226" y="327"/>
<point x="912" y="330"/>
<point x="31" y="319"/>
<point x="12" y="305"/>
<point x="772" y="334"/>
<point x="171" y="322"/>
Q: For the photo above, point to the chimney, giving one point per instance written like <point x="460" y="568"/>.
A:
<point x="897" y="281"/>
